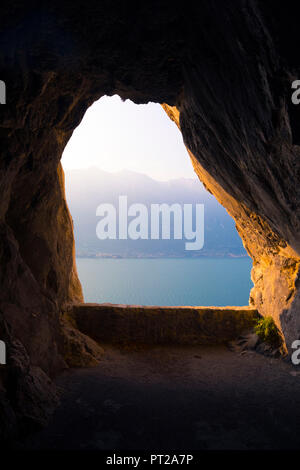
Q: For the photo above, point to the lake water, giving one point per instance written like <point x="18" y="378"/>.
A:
<point x="202" y="281"/>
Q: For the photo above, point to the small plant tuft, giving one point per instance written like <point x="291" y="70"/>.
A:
<point x="268" y="332"/>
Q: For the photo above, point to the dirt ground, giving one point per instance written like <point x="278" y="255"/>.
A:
<point x="188" y="398"/>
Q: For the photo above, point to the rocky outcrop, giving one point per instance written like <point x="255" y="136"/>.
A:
<point x="226" y="66"/>
<point x="78" y="349"/>
<point x="275" y="263"/>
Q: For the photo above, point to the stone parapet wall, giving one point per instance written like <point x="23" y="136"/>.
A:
<point x="113" y="323"/>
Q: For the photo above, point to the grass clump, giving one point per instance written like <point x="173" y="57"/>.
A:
<point x="268" y="332"/>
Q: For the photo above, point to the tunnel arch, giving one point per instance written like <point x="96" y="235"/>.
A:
<point x="224" y="74"/>
<point x="114" y="136"/>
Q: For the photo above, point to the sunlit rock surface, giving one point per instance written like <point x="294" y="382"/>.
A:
<point x="275" y="263"/>
<point x="228" y="69"/>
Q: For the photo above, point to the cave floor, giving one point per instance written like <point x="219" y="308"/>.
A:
<point x="175" y="398"/>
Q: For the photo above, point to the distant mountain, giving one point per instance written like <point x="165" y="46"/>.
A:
<point x="87" y="188"/>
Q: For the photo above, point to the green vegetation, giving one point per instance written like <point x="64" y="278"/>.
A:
<point x="268" y="332"/>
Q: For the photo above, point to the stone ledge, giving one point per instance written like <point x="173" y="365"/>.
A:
<point x="116" y="324"/>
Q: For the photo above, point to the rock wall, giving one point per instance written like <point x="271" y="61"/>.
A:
<point x="275" y="263"/>
<point x="226" y="66"/>
<point x="148" y="325"/>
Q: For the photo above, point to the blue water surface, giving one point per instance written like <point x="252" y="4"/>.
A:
<point x="166" y="281"/>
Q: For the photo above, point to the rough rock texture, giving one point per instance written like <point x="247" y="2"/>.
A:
<point x="127" y="324"/>
<point x="78" y="349"/>
<point x="226" y="66"/>
<point x="275" y="264"/>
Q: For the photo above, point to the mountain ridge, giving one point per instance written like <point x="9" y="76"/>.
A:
<point x="87" y="188"/>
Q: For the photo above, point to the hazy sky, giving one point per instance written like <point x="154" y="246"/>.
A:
<point x="116" y="135"/>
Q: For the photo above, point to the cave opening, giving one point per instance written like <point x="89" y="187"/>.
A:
<point x="124" y="150"/>
<point x="225" y="74"/>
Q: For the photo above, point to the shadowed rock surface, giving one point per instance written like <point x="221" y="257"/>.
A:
<point x="194" y="398"/>
<point x="227" y="67"/>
